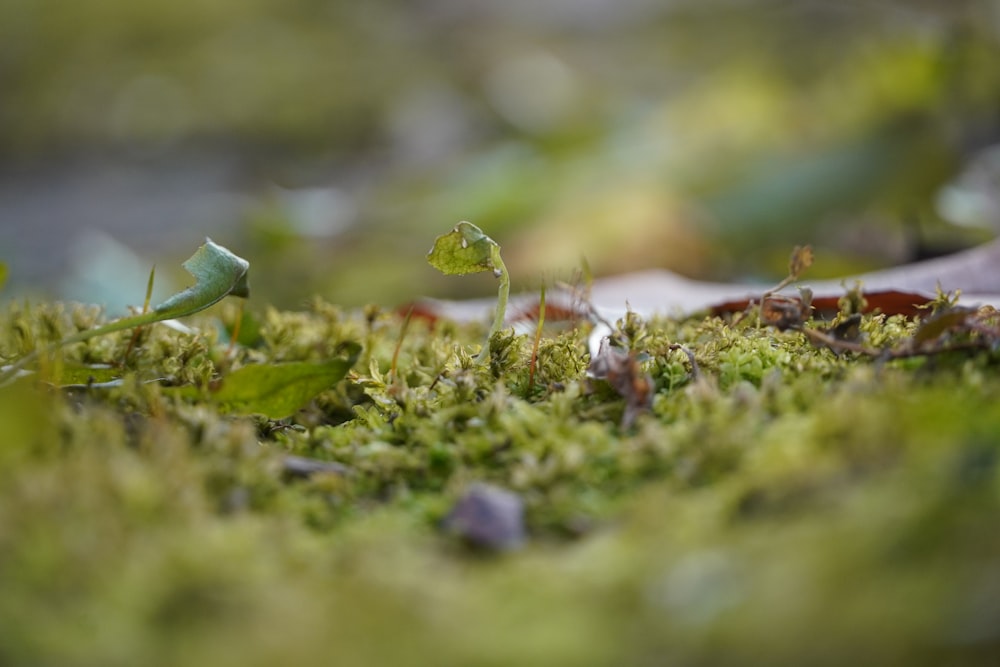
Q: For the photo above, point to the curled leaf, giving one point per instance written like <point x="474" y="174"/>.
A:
<point x="801" y="259"/>
<point x="218" y="273"/>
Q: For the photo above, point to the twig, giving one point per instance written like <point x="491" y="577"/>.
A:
<point x="399" y="343"/>
<point x="538" y="338"/>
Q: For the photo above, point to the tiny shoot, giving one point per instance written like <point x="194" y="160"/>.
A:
<point x="466" y="249"/>
<point x="145" y="309"/>
<point x="218" y="273"/>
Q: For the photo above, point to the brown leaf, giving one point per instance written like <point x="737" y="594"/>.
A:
<point x="785" y="312"/>
<point x="620" y="369"/>
<point x="890" y="302"/>
<point x="847" y="331"/>
<point x="801" y="259"/>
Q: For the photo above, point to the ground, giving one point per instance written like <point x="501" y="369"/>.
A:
<point x="783" y="504"/>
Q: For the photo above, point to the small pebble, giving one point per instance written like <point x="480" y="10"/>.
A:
<point x="488" y="517"/>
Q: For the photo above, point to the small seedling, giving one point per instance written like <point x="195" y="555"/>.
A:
<point x="218" y="273"/>
<point x="466" y="249"/>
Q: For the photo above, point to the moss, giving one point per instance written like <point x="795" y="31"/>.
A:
<point x="788" y="503"/>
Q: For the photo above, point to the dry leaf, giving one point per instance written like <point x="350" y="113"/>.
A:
<point x="620" y="369"/>
<point x="802" y="259"/>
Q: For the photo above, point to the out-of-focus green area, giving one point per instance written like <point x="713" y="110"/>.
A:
<point x="703" y="136"/>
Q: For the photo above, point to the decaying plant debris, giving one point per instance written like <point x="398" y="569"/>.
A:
<point x="973" y="274"/>
<point x="761" y="483"/>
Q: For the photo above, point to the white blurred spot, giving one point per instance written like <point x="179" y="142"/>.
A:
<point x="429" y="123"/>
<point x="698" y="588"/>
<point x="534" y="91"/>
<point x="319" y="212"/>
<point x="973" y="198"/>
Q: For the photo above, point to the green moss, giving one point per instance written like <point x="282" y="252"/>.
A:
<point x="787" y="503"/>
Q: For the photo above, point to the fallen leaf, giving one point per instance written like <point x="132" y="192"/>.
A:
<point x="280" y="390"/>
<point x="899" y="290"/>
<point x="620" y="369"/>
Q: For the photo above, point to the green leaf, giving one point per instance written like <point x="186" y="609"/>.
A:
<point x="281" y="390"/>
<point x="3" y="274"/>
<point x="218" y="273"/>
<point x="465" y="249"/>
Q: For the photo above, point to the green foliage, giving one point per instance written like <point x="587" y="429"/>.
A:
<point x="218" y="273"/>
<point x="280" y="390"/>
<point x="466" y="249"/>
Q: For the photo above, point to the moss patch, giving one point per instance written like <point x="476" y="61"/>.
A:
<point x="787" y="505"/>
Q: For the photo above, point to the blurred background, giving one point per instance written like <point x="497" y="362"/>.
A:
<point x="329" y="141"/>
